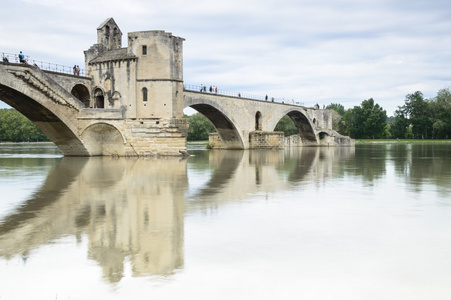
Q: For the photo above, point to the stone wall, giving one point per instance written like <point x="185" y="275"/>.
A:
<point x="155" y="137"/>
<point x="266" y="139"/>
<point x="214" y="141"/>
<point x="293" y="141"/>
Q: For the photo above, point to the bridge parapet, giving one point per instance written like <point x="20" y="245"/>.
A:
<point x="38" y="79"/>
<point x="46" y="66"/>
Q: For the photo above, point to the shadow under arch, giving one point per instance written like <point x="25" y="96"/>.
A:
<point x="81" y="92"/>
<point x="104" y="139"/>
<point x="305" y="128"/>
<point x="228" y="132"/>
<point x="46" y="120"/>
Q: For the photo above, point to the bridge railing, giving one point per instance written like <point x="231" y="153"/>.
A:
<point x="216" y="91"/>
<point x="46" y="66"/>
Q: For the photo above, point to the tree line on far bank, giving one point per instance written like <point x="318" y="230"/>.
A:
<point x="418" y="118"/>
<point x="14" y="127"/>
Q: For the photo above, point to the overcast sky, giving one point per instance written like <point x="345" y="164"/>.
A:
<point x="342" y="51"/>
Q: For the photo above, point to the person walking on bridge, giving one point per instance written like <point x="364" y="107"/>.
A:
<point x="21" y="58"/>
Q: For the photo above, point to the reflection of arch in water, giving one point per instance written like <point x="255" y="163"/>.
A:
<point x="300" y="164"/>
<point x="58" y="180"/>
<point x="223" y="173"/>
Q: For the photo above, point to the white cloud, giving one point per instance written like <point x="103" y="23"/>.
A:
<point x="343" y="51"/>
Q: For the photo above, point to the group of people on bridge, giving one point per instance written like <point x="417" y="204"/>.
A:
<point x="203" y="88"/>
<point x="76" y="70"/>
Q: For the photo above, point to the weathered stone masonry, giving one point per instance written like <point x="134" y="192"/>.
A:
<point x="131" y="101"/>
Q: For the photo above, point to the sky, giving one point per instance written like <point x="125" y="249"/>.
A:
<point x="342" y="51"/>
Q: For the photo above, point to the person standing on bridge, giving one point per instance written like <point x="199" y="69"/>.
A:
<point x="266" y="98"/>
<point x="21" y="58"/>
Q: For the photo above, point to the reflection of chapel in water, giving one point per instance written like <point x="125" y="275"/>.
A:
<point x="129" y="210"/>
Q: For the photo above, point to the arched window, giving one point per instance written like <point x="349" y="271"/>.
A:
<point x="115" y="39"/>
<point x="144" y="94"/>
<point x="107" y="36"/>
<point x="258" y="121"/>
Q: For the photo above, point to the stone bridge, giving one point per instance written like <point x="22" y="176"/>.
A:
<point x="131" y="103"/>
<point x="57" y="102"/>
<point x="241" y="122"/>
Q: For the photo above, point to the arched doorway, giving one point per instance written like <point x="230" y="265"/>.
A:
<point x="99" y="98"/>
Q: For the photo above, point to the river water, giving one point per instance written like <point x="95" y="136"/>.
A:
<point x="372" y="222"/>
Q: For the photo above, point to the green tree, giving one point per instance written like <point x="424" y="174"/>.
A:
<point x="287" y="126"/>
<point x="366" y="121"/>
<point x="199" y="127"/>
<point x="340" y="109"/>
<point x="338" y="113"/>
<point x="416" y="109"/>
<point x="14" y="127"/>
<point x="440" y="112"/>
<point x="400" y="125"/>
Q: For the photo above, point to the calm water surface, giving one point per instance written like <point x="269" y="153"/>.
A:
<point x="372" y="222"/>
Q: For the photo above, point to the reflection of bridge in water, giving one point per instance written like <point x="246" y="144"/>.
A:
<point x="130" y="103"/>
<point x="132" y="210"/>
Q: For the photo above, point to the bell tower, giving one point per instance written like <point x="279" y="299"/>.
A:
<point x="109" y="35"/>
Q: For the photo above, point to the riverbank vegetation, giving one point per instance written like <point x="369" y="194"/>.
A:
<point x="418" y="118"/>
<point x="14" y="127"/>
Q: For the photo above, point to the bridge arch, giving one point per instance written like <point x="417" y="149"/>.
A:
<point x="81" y="92"/>
<point x="103" y="139"/>
<point x="51" y="109"/>
<point x="306" y="129"/>
<point x="224" y="124"/>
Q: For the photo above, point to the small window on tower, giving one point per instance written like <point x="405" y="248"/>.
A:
<point x="144" y="50"/>
<point x="145" y="94"/>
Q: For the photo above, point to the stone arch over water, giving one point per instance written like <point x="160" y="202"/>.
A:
<point x="226" y="128"/>
<point x="305" y="128"/>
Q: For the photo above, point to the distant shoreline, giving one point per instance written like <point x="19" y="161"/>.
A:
<point x="401" y="141"/>
<point x="357" y="141"/>
<point x="20" y="143"/>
